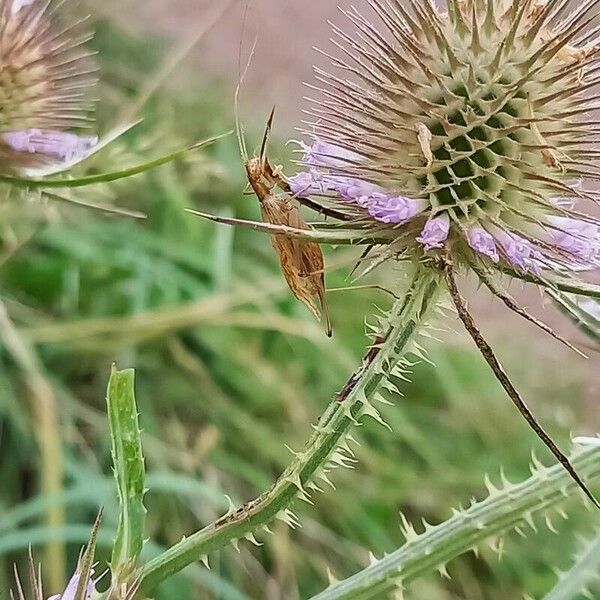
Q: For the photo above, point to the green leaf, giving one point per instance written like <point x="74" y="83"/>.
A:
<point x="564" y="284"/>
<point x="105" y="177"/>
<point x="326" y="236"/>
<point x="106" y="208"/>
<point x="584" y="312"/>
<point x="128" y="464"/>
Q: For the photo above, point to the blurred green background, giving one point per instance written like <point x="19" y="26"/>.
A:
<point x="231" y="369"/>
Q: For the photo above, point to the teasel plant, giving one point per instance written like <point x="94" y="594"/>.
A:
<point x="447" y="143"/>
<point x="48" y="94"/>
<point x="451" y="143"/>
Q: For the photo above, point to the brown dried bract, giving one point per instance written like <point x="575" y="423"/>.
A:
<point x="302" y="262"/>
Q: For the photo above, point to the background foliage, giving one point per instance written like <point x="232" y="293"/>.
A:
<point x="229" y="369"/>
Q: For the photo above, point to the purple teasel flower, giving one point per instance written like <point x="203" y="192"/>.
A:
<point x="483" y="242"/>
<point x="490" y="165"/>
<point x="324" y="154"/>
<point x="48" y="92"/>
<point x="576" y="237"/>
<point x="519" y="252"/>
<point x="356" y="190"/>
<point x="54" y="144"/>
<point x="307" y="183"/>
<point x="71" y="589"/>
<point x="390" y="209"/>
<point x="435" y="232"/>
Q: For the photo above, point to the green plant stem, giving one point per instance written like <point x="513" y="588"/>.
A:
<point x="351" y="403"/>
<point x="502" y="511"/>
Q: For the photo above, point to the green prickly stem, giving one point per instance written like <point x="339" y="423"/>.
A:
<point x="344" y="410"/>
<point x="503" y="510"/>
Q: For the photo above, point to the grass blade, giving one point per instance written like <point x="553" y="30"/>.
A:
<point x="584" y="312"/>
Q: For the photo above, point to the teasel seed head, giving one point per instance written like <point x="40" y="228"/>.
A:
<point x="46" y="77"/>
<point x="470" y="129"/>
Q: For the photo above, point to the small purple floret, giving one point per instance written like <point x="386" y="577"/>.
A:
<point x="579" y="238"/>
<point x="435" y="232"/>
<point x="307" y="183"/>
<point x="324" y="154"/>
<point x="355" y="190"/>
<point x="483" y="242"/>
<point x="55" y="144"/>
<point x="71" y="589"/>
<point x="394" y="209"/>
<point x="519" y="252"/>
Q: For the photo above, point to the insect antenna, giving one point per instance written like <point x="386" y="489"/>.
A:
<point x="241" y="77"/>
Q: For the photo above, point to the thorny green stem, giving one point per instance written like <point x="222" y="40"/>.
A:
<point x="503" y="510"/>
<point x="352" y="402"/>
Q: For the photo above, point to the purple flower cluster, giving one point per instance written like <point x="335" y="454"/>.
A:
<point x="578" y="240"/>
<point x="379" y="203"/>
<point x="53" y="144"/>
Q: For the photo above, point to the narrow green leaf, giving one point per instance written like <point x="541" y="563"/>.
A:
<point x="584" y="312"/>
<point x="341" y="237"/>
<point x="564" y="284"/>
<point x="106" y="208"/>
<point x="128" y="464"/>
<point x="105" y="177"/>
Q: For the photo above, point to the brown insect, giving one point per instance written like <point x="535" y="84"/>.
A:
<point x="301" y="261"/>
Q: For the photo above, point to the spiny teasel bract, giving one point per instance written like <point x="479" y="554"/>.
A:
<point x="471" y="130"/>
<point x="46" y="75"/>
<point x="81" y="585"/>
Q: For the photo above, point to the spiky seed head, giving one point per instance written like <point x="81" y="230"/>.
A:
<point x="470" y="128"/>
<point x="45" y="81"/>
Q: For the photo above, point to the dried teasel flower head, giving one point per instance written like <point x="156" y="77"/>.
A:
<point x="46" y="75"/>
<point x="471" y="129"/>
